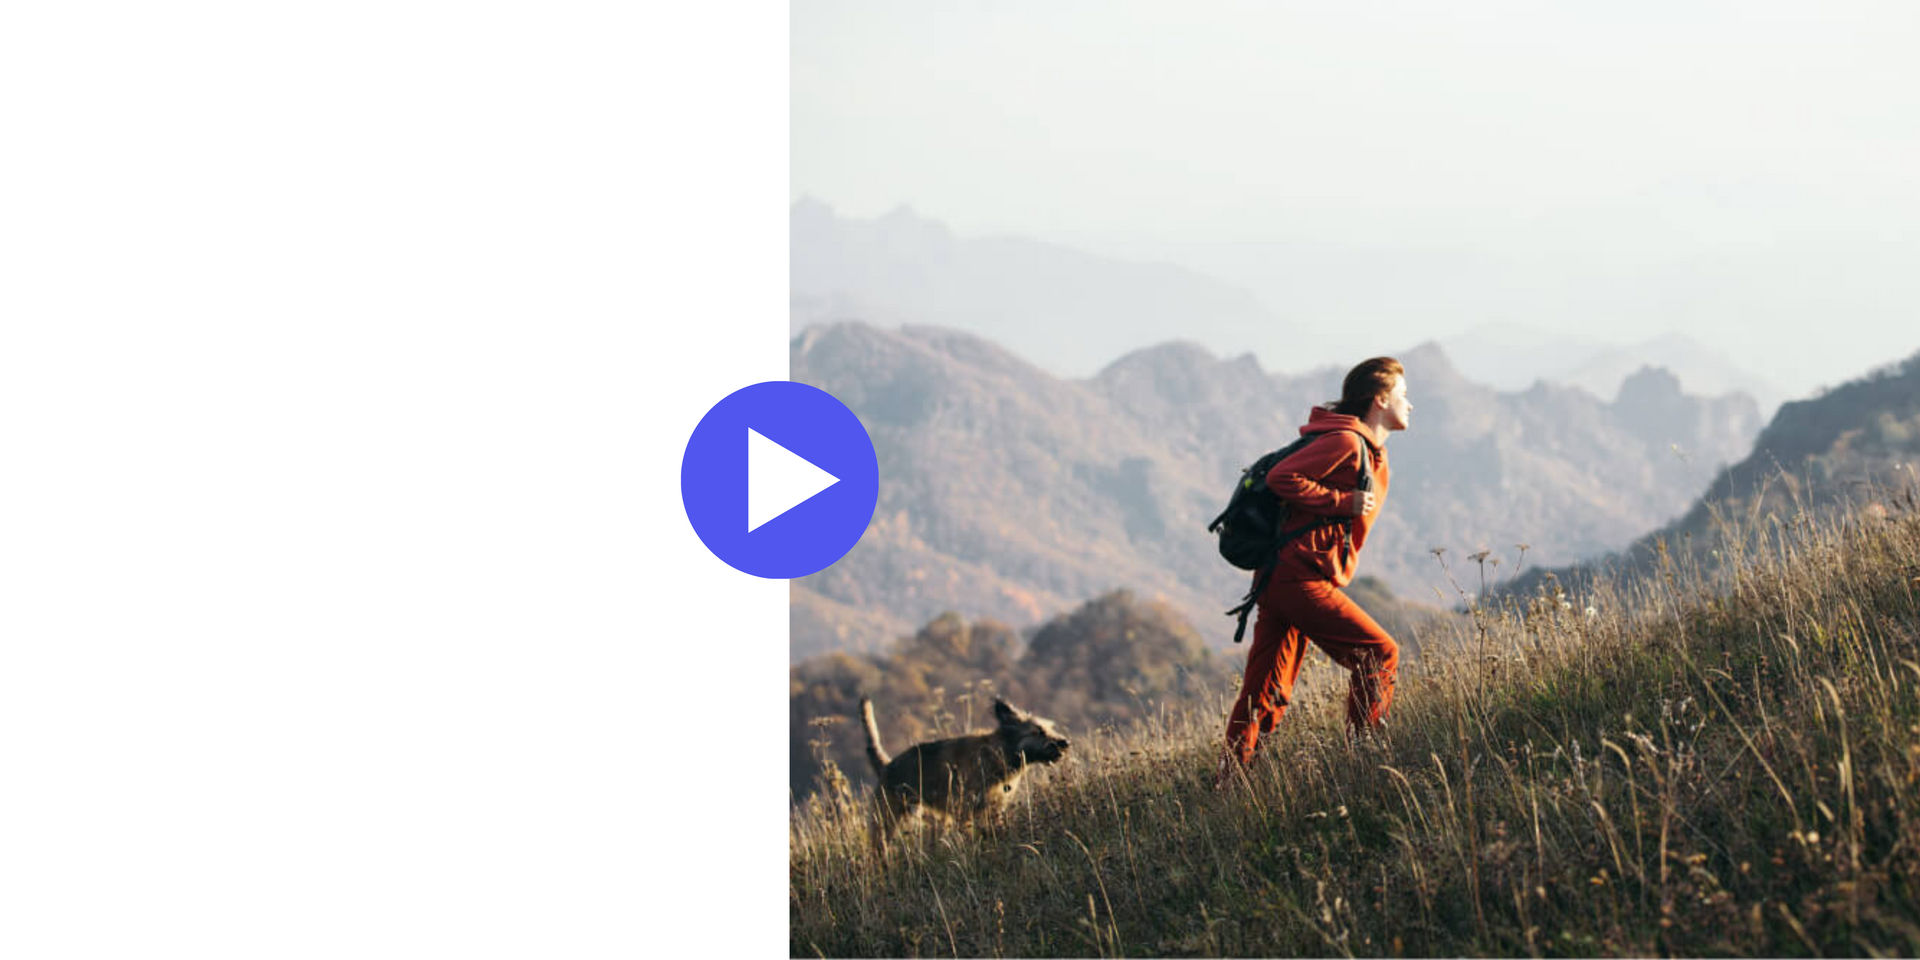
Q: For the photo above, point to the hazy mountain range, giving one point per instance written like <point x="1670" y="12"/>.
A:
<point x="1010" y="493"/>
<point x="1511" y="356"/>
<point x="1067" y="311"/>
<point x="1071" y="312"/>
<point x="1852" y="452"/>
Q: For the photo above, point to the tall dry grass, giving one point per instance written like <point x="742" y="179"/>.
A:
<point x="1722" y="757"/>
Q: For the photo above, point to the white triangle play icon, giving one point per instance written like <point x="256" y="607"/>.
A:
<point x="778" y="480"/>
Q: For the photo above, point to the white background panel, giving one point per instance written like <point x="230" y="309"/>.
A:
<point x="348" y="355"/>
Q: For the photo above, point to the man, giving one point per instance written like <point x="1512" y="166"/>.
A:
<point x="1303" y="600"/>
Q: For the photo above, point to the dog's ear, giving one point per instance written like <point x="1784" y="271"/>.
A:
<point x="1006" y="712"/>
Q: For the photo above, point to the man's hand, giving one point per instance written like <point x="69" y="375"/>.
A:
<point x="1362" y="502"/>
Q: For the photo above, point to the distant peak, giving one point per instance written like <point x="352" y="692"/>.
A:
<point x="1182" y="349"/>
<point x="1171" y="355"/>
<point x="1428" y="361"/>
<point x="809" y="214"/>
<point x="815" y="334"/>
<point x="1651" y="379"/>
<point x="901" y="224"/>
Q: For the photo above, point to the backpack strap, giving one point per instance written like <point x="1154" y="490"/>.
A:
<point x="1252" y="597"/>
<point x="1266" y="573"/>
<point x="1366" y="463"/>
<point x="1260" y="579"/>
<point x="1366" y="454"/>
<point x="1365" y="481"/>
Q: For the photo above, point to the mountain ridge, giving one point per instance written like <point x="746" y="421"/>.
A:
<point x="1852" y="448"/>
<point x="1007" y="491"/>
<point x="1058" y="306"/>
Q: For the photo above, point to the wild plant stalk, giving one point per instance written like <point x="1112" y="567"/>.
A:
<point x="1722" y="757"/>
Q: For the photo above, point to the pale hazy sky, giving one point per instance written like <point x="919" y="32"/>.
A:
<point x="1744" y="172"/>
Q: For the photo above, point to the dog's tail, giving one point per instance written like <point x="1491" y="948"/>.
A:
<point x="875" y="754"/>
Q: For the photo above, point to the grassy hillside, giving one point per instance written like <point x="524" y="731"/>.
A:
<point x="1109" y="663"/>
<point x="1724" y="763"/>
<point x="1096" y="666"/>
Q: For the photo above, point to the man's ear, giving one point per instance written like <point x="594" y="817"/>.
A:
<point x="1005" y="711"/>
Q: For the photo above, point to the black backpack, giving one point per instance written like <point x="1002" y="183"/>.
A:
<point x="1252" y="528"/>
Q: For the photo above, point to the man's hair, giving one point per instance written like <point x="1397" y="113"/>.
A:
<point x="1371" y="379"/>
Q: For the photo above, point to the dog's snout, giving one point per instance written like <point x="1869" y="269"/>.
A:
<point x="1064" y="745"/>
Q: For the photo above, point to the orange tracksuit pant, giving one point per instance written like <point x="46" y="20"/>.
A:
<point x="1290" y="614"/>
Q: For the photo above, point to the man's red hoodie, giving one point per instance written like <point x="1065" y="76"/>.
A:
<point x="1320" y="480"/>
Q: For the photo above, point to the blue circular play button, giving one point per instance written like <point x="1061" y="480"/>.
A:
<point x="779" y="479"/>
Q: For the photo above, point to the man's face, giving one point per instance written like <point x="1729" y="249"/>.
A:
<point x="1399" y="410"/>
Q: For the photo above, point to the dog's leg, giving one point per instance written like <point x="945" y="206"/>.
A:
<point x="882" y="824"/>
<point x="891" y="813"/>
<point x="877" y="827"/>
<point x="929" y="823"/>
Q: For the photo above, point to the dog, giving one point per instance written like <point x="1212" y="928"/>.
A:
<point x="959" y="779"/>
